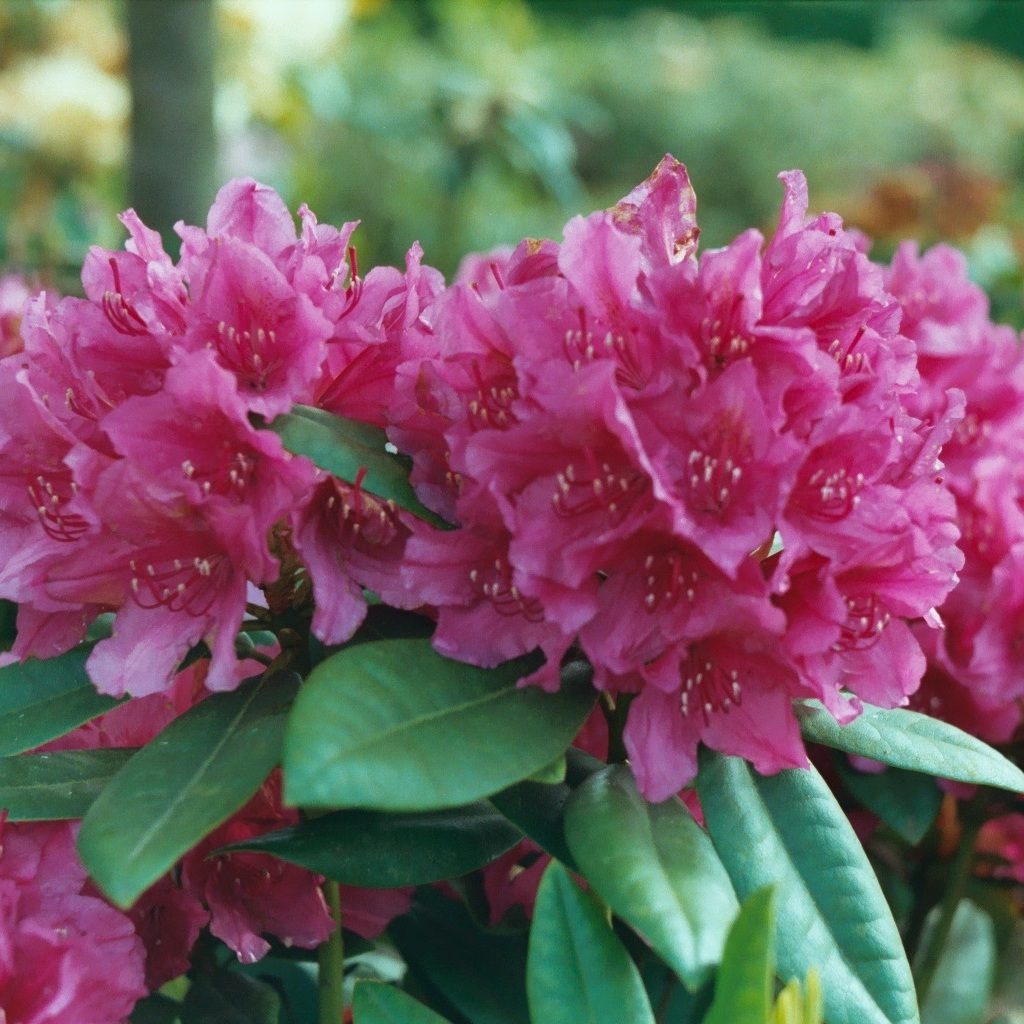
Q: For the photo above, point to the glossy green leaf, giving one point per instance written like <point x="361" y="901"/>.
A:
<point x="173" y="792"/>
<point x="788" y="831"/>
<point x="907" y="739"/>
<point x="58" y="785"/>
<point x="961" y="987"/>
<point x="392" y="725"/>
<point x="376" y="1003"/>
<point x="344" y="447"/>
<point x="41" y="700"/>
<point x="227" y="997"/>
<point x="479" y="973"/>
<point x="907" y="802"/>
<point x="578" y="972"/>
<point x="382" y="850"/>
<point x="538" y="808"/>
<point x="655" y="867"/>
<point x="743" y="987"/>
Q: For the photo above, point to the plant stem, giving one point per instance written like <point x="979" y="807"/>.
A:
<point x="959" y="873"/>
<point x="331" y="956"/>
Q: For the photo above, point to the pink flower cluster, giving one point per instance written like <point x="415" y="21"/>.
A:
<point x="975" y="676"/>
<point x="716" y="477"/>
<point x="707" y="473"/>
<point x="712" y="475"/>
<point x="131" y="476"/>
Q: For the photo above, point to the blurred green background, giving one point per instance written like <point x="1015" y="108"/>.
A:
<point x="471" y="123"/>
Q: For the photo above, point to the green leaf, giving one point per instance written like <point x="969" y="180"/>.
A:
<point x="906" y="801"/>
<point x="392" y="725"/>
<point x="156" y="1009"/>
<point x="343" y="447"/>
<point x="538" y="808"/>
<point x="376" y="1003"/>
<point x="551" y="774"/>
<point x="479" y="973"/>
<point x="655" y="867"/>
<point x="743" y="987"/>
<point x="788" y="831"/>
<point x="295" y="982"/>
<point x="58" y="785"/>
<point x="382" y="851"/>
<point x="578" y="972"/>
<point x="674" y="1003"/>
<point x="227" y="997"/>
<point x="961" y="987"/>
<point x="906" y="739"/>
<point x="173" y="792"/>
<point x="41" y="700"/>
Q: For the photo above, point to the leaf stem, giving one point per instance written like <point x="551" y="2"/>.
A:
<point x="331" y="957"/>
<point x="959" y="874"/>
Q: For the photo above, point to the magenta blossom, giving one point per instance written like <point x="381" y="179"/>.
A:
<point x="253" y="894"/>
<point x="973" y="678"/>
<point x="66" y="956"/>
<point x="136" y="474"/>
<point x="707" y="472"/>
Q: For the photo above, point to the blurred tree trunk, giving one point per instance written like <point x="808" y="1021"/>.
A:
<point x="173" y="148"/>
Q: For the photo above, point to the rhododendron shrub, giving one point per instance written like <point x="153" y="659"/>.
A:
<point x="356" y="625"/>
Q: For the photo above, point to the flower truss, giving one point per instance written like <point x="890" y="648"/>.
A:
<point x="734" y="488"/>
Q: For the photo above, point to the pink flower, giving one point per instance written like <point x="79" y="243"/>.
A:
<point x="357" y="376"/>
<point x="138" y="721"/>
<point x="245" y="311"/>
<point x="66" y="957"/>
<point x="483" y="617"/>
<point x="14" y="294"/>
<point x="368" y="912"/>
<point x="141" y="292"/>
<point x="82" y="366"/>
<point x="513" y="878"/>
<point x="973" y="678"/>
<point x="1003" y="837"/>
<point x="193" y="438"/>
<point x="251" y="894"/>
<point x="732" y="689"/>
<point x="349" y="539"/>
<point x="172" y="579"/>
<point x="168" y="920"/>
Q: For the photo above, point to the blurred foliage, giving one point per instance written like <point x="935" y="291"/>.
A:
<point x="64" y="108"/>
<point x="472" y="123"/>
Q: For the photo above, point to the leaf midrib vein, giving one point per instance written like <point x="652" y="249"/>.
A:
<point x="173" y="805"/>
<point x="410" y="723"/>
